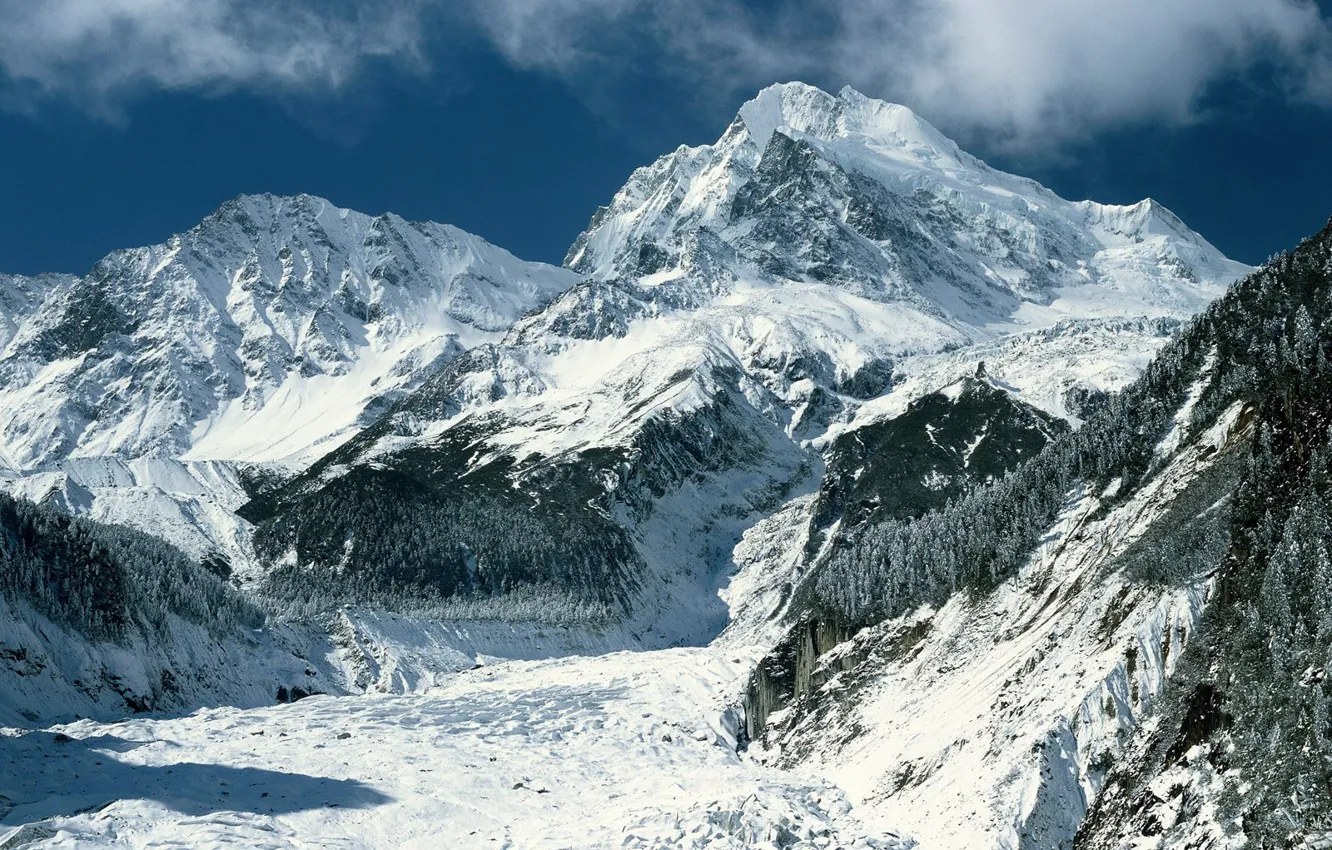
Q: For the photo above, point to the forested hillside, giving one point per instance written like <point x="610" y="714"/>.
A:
<point x="1248" y="721"/>
<point x="1245" y="346"/>
<point x="105" y="581"/>
<point x="100" y="620"/>
<point x="1240" y="740"/>
<point x="945" y="444"/>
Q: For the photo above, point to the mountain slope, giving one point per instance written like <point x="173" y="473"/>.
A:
<point x="1137" y="609"/>
<point x="853" y="191"/>
<point x="100" y="620"/>
<point x="943" y="445"/>
<point x="1240" y="754"/>
<point x="268" y="334"/>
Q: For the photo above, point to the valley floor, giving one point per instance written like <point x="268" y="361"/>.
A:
<point x="631" y="749"/>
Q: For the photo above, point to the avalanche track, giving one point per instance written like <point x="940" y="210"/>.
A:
<point x="630" y="749"/>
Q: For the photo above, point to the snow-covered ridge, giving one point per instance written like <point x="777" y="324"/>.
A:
<point x="190" y="504"/>
<point x="992" y="721"/>
<point x="263" y="334"/>
<point x="269" y="333"/>
<point x="856" y="191"/>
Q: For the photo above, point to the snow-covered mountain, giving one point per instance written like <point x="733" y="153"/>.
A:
<point x="863" y="194"/>
<point x="262" y="334"/>
<point x="267" y="334"/>
<point x="1122" y="644"/>
<point x="355" y="408"/>
<point x="827" y="261"/>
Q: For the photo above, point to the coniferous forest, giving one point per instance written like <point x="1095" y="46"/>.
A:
<point x="1255" y="676"/>
<point x="103" y="581"/>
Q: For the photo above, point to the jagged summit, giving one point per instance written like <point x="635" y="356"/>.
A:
<point x="798" y="108"/>
<point x="851" y="120"/>
<point x="282" y="216"/>
<point x="828" y="260"/>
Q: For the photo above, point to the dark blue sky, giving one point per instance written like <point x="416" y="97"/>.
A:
<point x="523" y="157"/>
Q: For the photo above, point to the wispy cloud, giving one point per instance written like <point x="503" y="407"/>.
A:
<point x="101" y="52"/>
<point x="1050" y="69"/>
<point x="1034" y="73"/>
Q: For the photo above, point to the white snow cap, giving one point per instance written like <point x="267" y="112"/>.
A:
<point x="801" y="109"/>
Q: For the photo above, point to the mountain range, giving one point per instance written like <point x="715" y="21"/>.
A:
<point x="243" y="388"/>
<point x="957" y="474"/>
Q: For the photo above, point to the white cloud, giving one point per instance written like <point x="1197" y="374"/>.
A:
<point x="1055" y="68"/>
<point x="717" y="43"/>
<point x="98" y="52"/>
<point x="1033" y="72"/>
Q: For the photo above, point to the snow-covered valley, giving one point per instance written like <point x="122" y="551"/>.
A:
<point x="621" y="750"/>
<point x="987" y="728"/>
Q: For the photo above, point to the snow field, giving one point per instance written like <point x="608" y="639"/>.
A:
<point x="623" y="750"/>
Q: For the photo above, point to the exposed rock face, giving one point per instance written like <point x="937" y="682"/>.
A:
<point x="994" y="719"/>
<point x="795" y="669"/>
<point x="866" y="196"/>
<point x="967" y="434"/>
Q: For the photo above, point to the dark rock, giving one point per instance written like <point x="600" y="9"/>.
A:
<point x="1203" y="718"/>
<point x="869" y="381"/>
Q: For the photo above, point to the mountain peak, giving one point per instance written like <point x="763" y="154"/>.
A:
<point x="1136" y="223"/>
<point x="239" y="315"/>
<point x="803" y="109"/>
<point x="265" y="210"/>
<point x="870" y="197"/>
<point x="795" y="106"/>
<point x="268" y="204"/>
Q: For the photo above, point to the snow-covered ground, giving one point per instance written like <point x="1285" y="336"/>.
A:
<point x="445" y="735"/>
<point x="450" y="735"/>
<point x="992" y="733"/>
<point x="190" y="504"/>
<point x="621" y="750"/>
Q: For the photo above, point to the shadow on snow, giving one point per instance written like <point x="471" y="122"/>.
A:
<point x="44" y="775"/>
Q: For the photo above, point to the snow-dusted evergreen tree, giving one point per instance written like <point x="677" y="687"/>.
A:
<point x="1252" y="700"/>
<point x="102" y="581"/>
